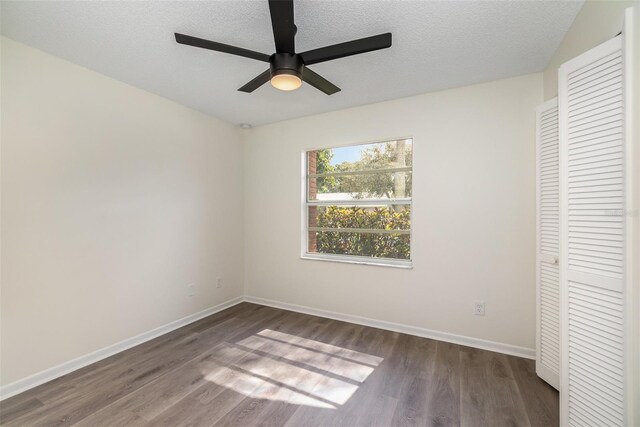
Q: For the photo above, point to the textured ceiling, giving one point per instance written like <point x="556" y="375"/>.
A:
<point x="436" y="45"/>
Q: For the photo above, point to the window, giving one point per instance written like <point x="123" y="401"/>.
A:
<point x="358" y="203"/>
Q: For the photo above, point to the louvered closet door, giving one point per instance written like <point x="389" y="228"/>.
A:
<point x="547" y="275"/>
<point x="592" y="238"/>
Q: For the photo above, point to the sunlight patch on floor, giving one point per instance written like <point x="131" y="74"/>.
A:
<point x="251" y="385"/>
<point x="329" y="349"/>
<point x="283" y="367"/>
<point x="313" y="359"/>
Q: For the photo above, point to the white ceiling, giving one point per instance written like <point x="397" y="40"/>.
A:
<point x="436" y="45"/>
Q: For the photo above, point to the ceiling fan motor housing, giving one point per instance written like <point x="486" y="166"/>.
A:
<point x="286" y="63"/>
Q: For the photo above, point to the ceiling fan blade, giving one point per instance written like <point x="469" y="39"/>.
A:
<point x="319" y="82"/>
<point x="340" y="50"/>
<point x="284" y="29"/>
<point x="256" y="82"/>
<point x="220" y="47"/>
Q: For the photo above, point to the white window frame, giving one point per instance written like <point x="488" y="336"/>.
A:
<point x="352" y="259"/>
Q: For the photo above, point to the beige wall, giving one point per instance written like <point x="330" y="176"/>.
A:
<point x="473" y="221"/>
<point x="597" y="22"/>
<point x="113" y="200"/>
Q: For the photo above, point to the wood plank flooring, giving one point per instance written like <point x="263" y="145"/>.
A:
<point x="252" y="365"/>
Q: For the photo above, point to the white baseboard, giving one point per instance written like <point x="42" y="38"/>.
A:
<point x="82" y="361"/>
<point x="514" y="350"/>
<point x="72" y="365"/>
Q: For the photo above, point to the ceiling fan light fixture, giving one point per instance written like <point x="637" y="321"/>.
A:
<point x="286" y="81"/>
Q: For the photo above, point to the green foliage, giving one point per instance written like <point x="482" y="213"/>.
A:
<point x="323" y="161"/>
<point x="378" y="156"/>
<point x="325" y="184"/>
<point x="364" y="244"/>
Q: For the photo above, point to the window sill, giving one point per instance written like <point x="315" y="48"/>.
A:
<point x="404" y="264"/>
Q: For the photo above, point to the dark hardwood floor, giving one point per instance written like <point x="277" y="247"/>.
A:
<point x="254" y="365"/>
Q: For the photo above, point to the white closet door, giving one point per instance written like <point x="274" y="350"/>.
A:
<point x="547" y="269"/>
<point x="592" y="230"/>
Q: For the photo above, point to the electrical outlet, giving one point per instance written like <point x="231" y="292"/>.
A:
<point x="219" y="283"/>
<point x="191" y="289"/>
<point x="478" y="308"/>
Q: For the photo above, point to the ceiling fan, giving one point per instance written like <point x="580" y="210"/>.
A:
<point x="288" y="69"/>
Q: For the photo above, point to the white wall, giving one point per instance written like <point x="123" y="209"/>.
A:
<point x="474" y="212"/>
<point x="597" y="22"/>
<point x="113" y="200"/>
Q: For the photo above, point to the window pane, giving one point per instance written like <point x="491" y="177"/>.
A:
<point x="377" y="238"/>
<point x="363" y="186"/>
<point x="369" y="173"/>
<point x="395" y="246"/>
<point x="381" y="155"/>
